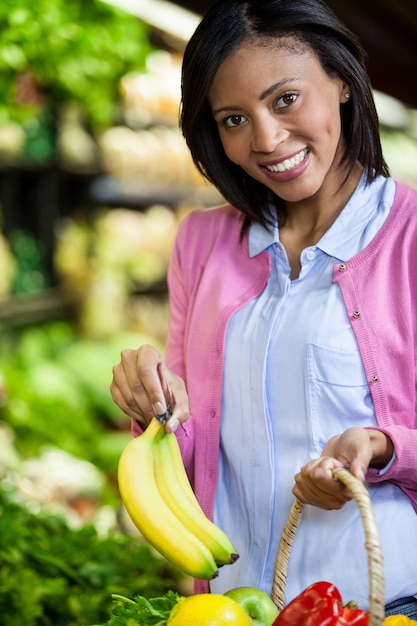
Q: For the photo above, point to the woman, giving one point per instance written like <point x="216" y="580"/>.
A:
<point x="293" y="325"/>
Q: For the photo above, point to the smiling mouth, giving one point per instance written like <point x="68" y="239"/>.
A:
<point x="288" y="164"/>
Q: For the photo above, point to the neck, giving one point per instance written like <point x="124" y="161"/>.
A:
<point x="306" y="221"/>
<point x="312" y="217"/>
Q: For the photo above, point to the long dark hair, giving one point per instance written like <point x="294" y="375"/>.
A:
<point x="228" y="24"/>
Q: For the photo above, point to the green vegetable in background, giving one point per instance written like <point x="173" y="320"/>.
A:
<point x="44" y="402"/>
<point x="56" y="392"/>
<point x="58" y="51"/>
<point x="52" y="575"/>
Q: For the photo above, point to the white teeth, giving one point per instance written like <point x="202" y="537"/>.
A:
<point x="288" y="164"/>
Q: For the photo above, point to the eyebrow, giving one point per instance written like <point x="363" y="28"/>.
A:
<point x="276" y="86"/>
<point x="263" y="95"/>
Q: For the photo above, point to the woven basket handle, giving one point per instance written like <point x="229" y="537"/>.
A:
<point x="372" y="545"/>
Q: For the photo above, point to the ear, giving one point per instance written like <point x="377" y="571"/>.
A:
<point x="345" y="94"/>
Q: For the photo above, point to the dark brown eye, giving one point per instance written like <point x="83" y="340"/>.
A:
<point x="234" y="120"/>
<point x="286" y="100"/>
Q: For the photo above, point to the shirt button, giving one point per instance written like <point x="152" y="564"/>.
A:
<point x="310" y="255"/>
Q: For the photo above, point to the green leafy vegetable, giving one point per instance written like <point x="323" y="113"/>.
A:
<point x="51" y="376"/>
<point x="52" y="575"/>
<point x="75" y="51"/>
<point x="141" y="610"/>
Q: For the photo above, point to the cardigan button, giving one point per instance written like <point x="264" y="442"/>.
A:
<point x="374" y="379"/>
<point x="342" y="267"/>
<point x="356" y="314"/>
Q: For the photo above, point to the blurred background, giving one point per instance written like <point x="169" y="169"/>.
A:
<point x="94" y="181"/>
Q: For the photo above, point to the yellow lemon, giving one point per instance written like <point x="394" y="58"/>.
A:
<point x="208" y="609"/>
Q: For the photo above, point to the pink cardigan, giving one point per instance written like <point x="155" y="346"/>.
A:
<point x="211" y="276"/>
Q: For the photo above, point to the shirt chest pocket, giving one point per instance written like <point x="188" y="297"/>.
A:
<point x="338" y="393"/>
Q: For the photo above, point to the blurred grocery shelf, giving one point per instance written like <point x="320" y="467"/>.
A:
<point x="27" y="309"/>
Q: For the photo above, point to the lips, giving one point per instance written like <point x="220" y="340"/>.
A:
<point x="288" y="164"/>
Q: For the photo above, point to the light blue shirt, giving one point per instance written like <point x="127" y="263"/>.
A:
<point x="293" y="378"/>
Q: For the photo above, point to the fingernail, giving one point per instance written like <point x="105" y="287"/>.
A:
<point x="173" y="424"/>
<point x="159" y="408"/>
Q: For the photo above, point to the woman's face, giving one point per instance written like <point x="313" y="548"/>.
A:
<point x="278" y="115"/>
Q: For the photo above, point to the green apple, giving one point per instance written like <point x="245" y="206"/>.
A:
<point x="256" y="603"/>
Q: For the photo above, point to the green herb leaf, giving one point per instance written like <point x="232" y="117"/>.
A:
<point x="142" y="611"/>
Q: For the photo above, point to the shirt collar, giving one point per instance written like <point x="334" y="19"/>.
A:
<point x="260" y="238"/>
<point x="342" y="236"/>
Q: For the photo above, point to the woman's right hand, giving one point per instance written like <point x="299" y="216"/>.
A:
<point x="143" y="387"/>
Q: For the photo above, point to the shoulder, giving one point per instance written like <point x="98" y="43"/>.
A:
<point x="399" y="231"/>
<point x="402" y="217"/>
<point x="205" y="229"/>
<point x="213" y="219"/>
<point x="405" y="196"/>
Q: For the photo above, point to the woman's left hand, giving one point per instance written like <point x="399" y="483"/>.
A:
<point x="314" y="484"/>
<point x="355" y="449"/>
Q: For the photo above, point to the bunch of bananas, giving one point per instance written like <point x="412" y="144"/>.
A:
<point x="158" y="497"/>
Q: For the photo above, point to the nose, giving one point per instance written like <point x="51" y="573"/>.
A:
<point x="267" y="134"/>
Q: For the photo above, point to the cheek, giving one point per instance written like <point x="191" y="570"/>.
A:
<point x="327" y="122"/>
<point x="234" y="147"/>
<point x="322" y="118"/>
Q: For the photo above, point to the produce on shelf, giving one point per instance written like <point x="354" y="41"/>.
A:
<point x="55" y="575"/>
<point x="149" y="146"/>
<point x="164" y="507"/>
<point x="102" y="265"/>
<point x="76" y="146"/>
<point x="30" y="275"/>
<point x="57" y="482"/>
<point x="12" y="142"/>
<point x="8" y="268"/>
<point x="153" y="95"/>
<point x="10" y="459"/>
<point x="54" y="391"/>
<point x="66" y="51"/>
<point x="157" y="155"/>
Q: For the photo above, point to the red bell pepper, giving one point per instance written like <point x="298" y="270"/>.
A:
<point x="320" y="605"/>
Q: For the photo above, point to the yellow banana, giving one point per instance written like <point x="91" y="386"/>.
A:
<point x="175" y="489"/>
<point x="149" y="512"/>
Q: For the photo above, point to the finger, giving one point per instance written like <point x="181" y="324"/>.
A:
<point x="123" y="396"/>
<point x="163" y="377"/>
<point x="179" y="403"/>
<point x="150" y="387"/>
<point x="323" y="500"/>
<point x="315" y="485"/>
<point x="136" y="387"/>
<point x="358" y="469"/>
<point x="131" y="411"/>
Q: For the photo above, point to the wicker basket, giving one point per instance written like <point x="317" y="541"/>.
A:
<point x="372" y="544"/>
